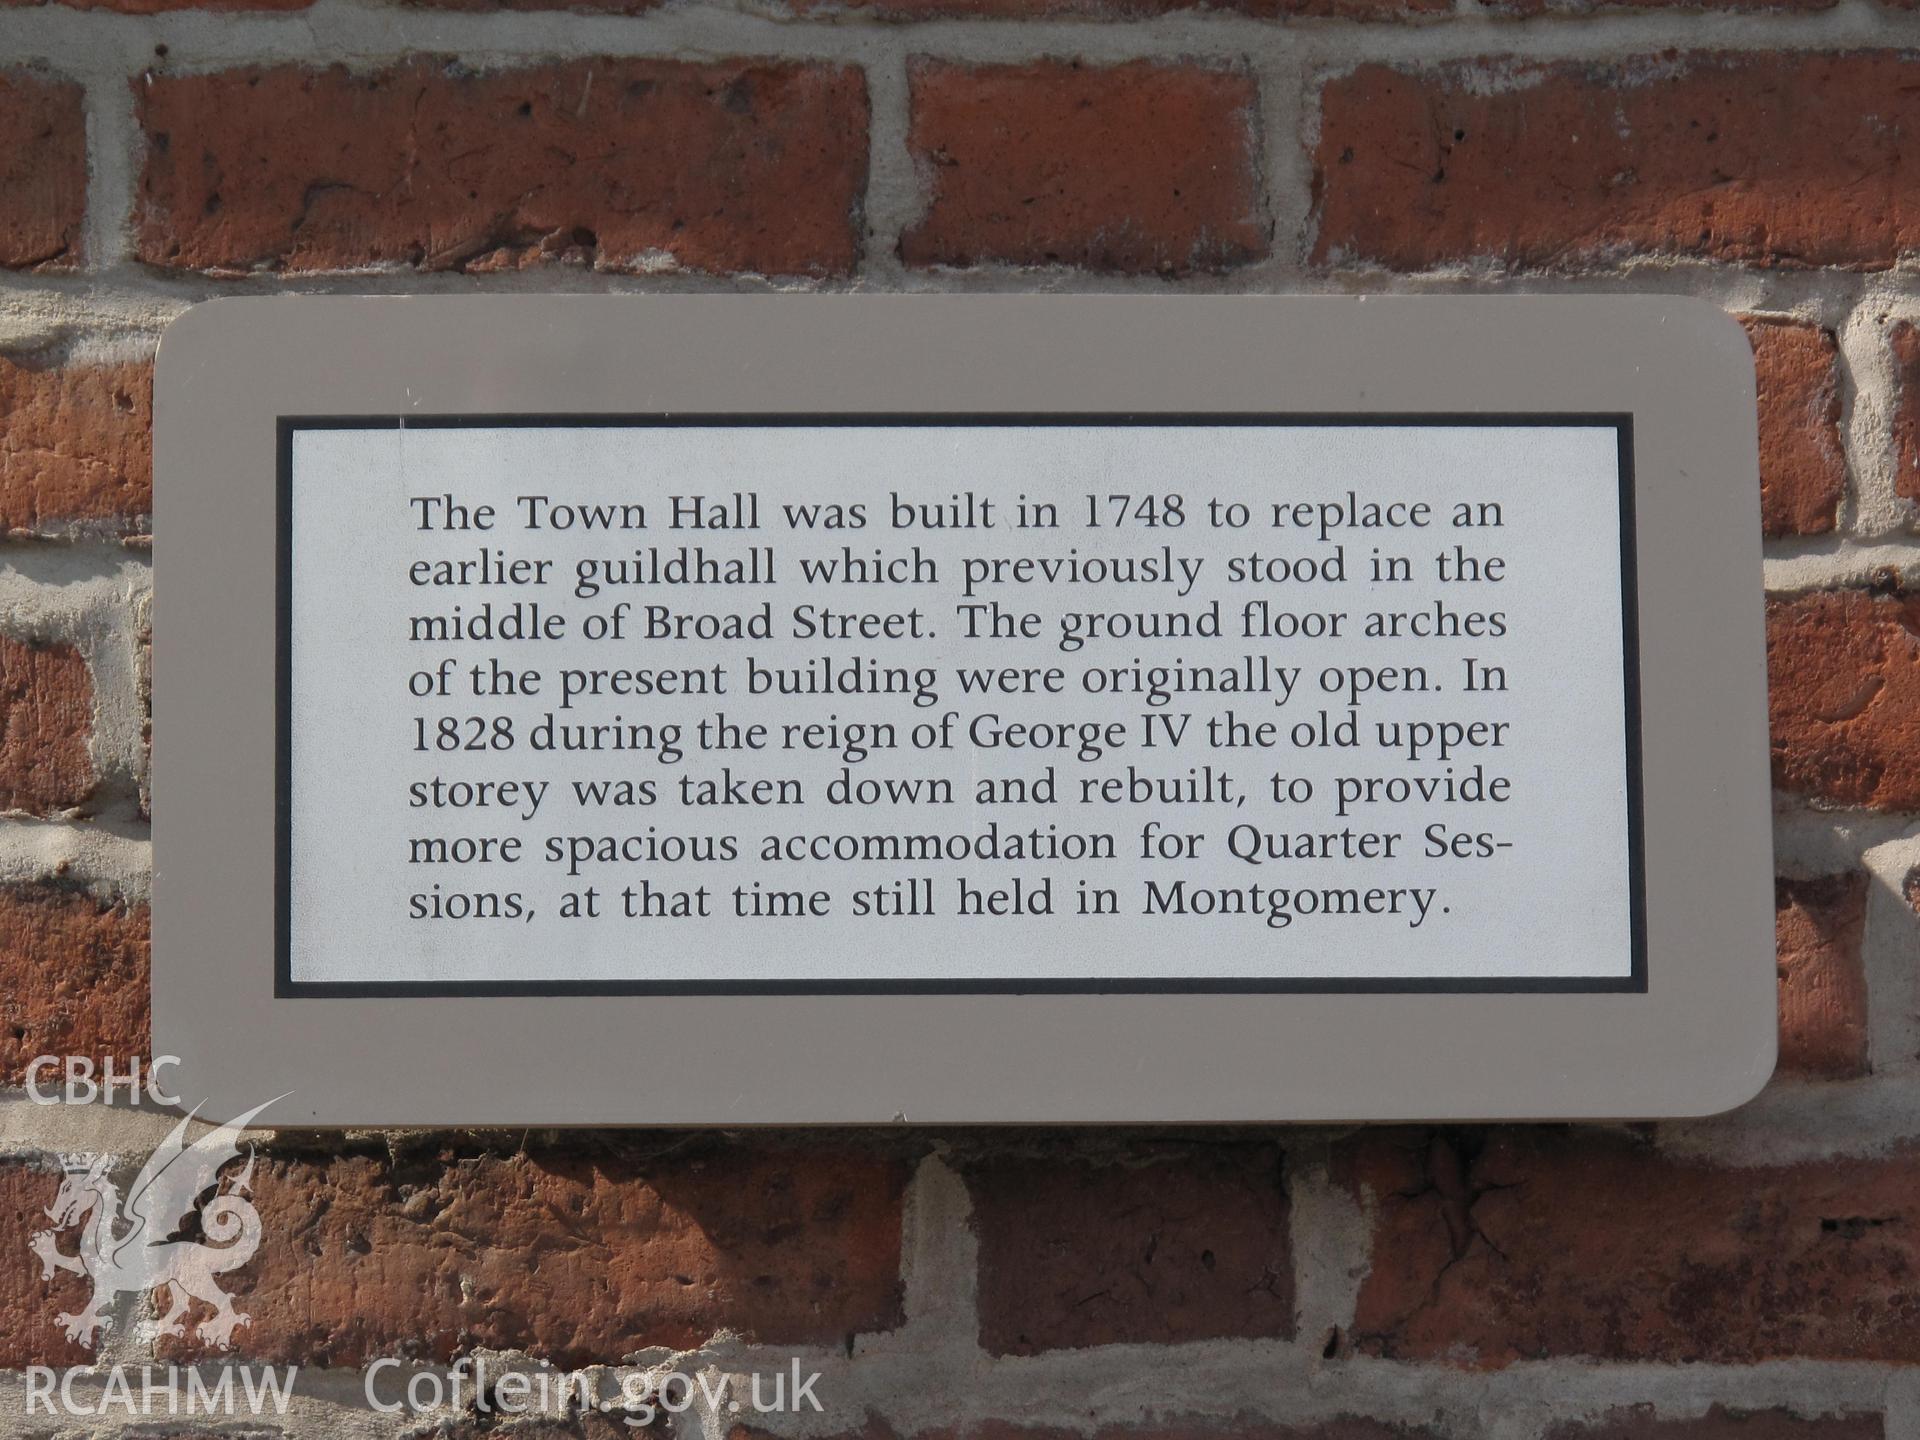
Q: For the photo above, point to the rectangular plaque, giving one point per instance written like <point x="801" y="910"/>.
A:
<point x="1081" y="703"/>
<point x="939" y="729"/>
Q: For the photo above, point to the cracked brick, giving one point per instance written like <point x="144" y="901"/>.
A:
<point x="1585" y="1243"/>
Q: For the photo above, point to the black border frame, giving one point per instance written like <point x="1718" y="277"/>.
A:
<point x="285" y="987"/>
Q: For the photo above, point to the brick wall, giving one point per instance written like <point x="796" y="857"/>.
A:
<point x="1752" y="1277"/>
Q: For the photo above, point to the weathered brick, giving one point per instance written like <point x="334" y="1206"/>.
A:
<point x="1590" y="7"/>
<point x="1121" y="9"/>
<point x="43" y="171"/>
<point x="578" y="1255"/>
<point x="1905" y="340"/>
<point x="1342" y="1427"/>
<point x="1135" y="168"/>
<point x="1531" y="1243"/>
<point x="73" y="978"/>
<point x="162" y="7"/>
<point x="1803" y="469"/>
<point x="730" y="167"/>
<point x="591" y="1425"/>
<point x="46" y="718"/>
<point x="587" y="7"/>
<point x="1760" y="159"/>
<point x="1365" y="10"/>
<point x="1076" y="1252"/>
<point x="75" y="446"/>
<point x="1844" y="696"/>
<point x="29" y="1331"/>
<point x="1817" y="926"/>
<point x="1719" y="1423"/>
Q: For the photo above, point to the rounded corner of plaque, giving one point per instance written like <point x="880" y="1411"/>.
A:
<point x="1728" y="1087"/>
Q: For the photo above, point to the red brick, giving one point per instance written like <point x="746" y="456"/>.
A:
<point x="76" y="447"/>
<point x="1803" y="469"/>
<point x="624" y="165"/>
<point x="1844" y="694"/>
<point x="1817" y="925"/>
<point x="1075" y="1252"/>
<point x="73" y="978"/>
<point x="1534" y="1243"/>
<point x="589" y="7"/>
<point x="589" y="1426"/>
<point x="43" y="172"/>
<point x="1905" y="339"/>
<point x="1365" y="10"/>
<point x="46" y="717"/>
<point x="1590" y="7"/>
<point x="1121" y="9"/>
<point x="1719" y="1423"/>
<point x="162" y="7"/>
<point x="1798" y="160"/>
<point x="29" y="1333"/>
<point x="1136" y="168"/>
<point x="576" y="1255"/>
<point x="1343" y="1427"/>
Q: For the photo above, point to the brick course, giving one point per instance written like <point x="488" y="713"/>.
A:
<point x="29" y="1334"/>
<point x="632" y="165"/>
<point x="1723" y="1423"/>
<point x="1748" y="159"/>
<point x="73" y="979"/>
<point x="575" y="1255"/>
<point x="1905" y="340"/>
<point x="1130" y="168"/>
<point x="1823" y="985"/>
<point x="1845" y="670"/>
<point x="43" y="171"/>
<point x="1076" y="1252"/>
<point x="1803" y="466"/>
<point x="1533" y="1244"/>
<point x="46" y="718"/>
<point x="75" y="447"/>
<point x="1129" y="1285"/>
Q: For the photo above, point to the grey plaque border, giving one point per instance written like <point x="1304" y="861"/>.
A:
<point x="1698" y="1036"/>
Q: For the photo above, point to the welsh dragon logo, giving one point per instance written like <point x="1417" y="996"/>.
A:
<point x="135" y="1246"/>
